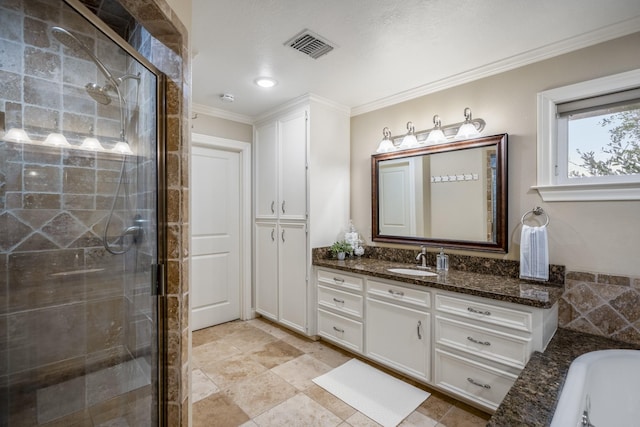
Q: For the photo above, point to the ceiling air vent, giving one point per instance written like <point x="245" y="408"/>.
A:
<point x="310" y="44"/>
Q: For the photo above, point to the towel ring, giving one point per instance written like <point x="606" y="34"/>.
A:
<point x="536" y="211"/>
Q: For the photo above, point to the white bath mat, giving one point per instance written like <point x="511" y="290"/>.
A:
<point x="379" y="396"/>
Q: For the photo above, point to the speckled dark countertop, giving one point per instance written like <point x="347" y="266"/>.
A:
<point x="533" y="398"/>
<point x="466" y="282"/>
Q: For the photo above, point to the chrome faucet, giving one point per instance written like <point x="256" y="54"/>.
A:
<point x="422" y="254"/>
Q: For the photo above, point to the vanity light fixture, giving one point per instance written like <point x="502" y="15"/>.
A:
<point x="91" y="143"/>
<point x="409" y="140"/>
<point x="436" y="136"/>
<point x="122" y="148"/>
<point x="385" y="145"/>
<point x="57" y="140"/>
<point x="468" y="129"/>
<point x="439" y="134"/>
<point x="17" y="135"/>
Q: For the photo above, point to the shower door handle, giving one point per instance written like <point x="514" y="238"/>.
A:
<point x="158" y="279"/>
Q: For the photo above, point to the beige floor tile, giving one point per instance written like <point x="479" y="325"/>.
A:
<point x="275" y="353"/>
<point x="218" y="411"/>
<point x="436" y="405"/>
<point x="249" y="423"/>
<point x="360" y="420"/>
<point x="232" y="369"/>
<point x="257" y="394"/>
<point x="417" y="419"/>
<point x="458" y="417"/>
<point x="201" y="386"/>
<point x="331" y="356"/>
<point x="300" y="410"/>
<point x="300" y="371"/>
<point x="248" y="339"/>
<point x="303" y="344"/>
<point x="329" y="401"/>
<point x="213" y="352"/>
<point x="206" y="335"/>
<point x="270" y="328"/>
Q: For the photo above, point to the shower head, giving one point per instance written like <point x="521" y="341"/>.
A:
<point x="99" y="93"/>
<point x="72" y="42"/>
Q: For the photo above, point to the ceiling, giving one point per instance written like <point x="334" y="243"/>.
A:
<point x="386" y="51"/>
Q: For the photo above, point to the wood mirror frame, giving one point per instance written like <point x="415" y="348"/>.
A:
<point x="498" y="242"/>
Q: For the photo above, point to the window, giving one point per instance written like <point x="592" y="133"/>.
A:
<point x="589" y="140"/>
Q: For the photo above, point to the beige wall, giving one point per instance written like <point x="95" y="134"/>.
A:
<point x="182" y="8"/>
<point x="222" y="128"/>
<point x="584" y="236"/>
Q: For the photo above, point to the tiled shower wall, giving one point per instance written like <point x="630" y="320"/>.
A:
<point x="602" y="304"/>
<point x="67" y="306"/>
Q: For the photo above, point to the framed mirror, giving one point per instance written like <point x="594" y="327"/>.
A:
<point x="451" y="195"/>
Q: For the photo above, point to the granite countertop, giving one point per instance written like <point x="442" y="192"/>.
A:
<point x="533" y="398"/>
<point x="482" y="285"/>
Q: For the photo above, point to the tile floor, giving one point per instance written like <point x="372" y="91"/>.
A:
<point x="255" y="373"/>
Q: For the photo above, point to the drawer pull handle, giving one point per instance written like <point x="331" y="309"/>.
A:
<point x="473" y="340"/>
<point x="473" y="310"/>
<point x="340" y="301"/>
<point x="338" y="280"/>
<point x="273" y="230"/>
<point x="418" y="329"/>
<point x="273" y="207"/>
<point x="474" y="382"/>
<point x="338" y="330"/>
<point x="283" y="206"/>
<point x="396" y="293"/>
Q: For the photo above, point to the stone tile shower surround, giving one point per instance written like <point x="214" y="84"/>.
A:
<point x="164" y="42"/>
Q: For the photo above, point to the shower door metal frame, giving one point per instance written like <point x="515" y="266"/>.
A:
<point x="158" y="278"/>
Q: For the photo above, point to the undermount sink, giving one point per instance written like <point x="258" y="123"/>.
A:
<point x="411" y="272"/>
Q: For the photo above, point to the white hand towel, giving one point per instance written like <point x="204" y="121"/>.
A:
<point x="534" y="253"/>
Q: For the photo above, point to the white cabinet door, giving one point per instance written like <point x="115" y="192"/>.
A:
<point x="292" y="262"/>
<point x="266" y="269"/>
<point x="266" y="171"/>
<point x="399" y="337"/>
<point x="292" y="133"/>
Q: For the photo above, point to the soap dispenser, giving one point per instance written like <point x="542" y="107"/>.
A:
<point x="442" y="261"/>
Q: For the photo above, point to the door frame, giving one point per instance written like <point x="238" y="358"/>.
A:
<point x="244" y="151"/>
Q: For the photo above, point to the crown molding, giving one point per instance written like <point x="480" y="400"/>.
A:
<point x="221" y="114"/>
<point x="591" y="38"/>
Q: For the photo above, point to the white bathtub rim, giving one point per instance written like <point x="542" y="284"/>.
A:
<point x="568" y="411"/>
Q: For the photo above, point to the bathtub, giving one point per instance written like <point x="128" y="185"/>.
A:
<point x="602" y="389"/>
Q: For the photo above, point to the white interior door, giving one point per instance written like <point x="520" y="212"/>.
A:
<point x="215" y="236"/>
<point x="397" y="199"/>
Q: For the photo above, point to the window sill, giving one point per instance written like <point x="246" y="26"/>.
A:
<point x="589" y="192"/>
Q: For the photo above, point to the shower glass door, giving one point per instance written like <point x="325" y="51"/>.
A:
<point x="78" y="221"/>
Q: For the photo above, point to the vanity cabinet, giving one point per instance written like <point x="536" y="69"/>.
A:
<point x="341" y="309"/>
<point x="398" y="328"/>
<point x="467" y="346"/>
<point x="481" y="345"/>
<point x="301" y="165"/>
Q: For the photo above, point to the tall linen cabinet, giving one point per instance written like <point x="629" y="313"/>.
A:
<point x="301" y="201"/>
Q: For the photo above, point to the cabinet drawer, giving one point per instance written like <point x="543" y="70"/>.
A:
<point x="341" y="280"/>
<point x="485" y="312"/>
<point x="399" y="293"/>
<point x="342" y="301"/>
<point x="340" y="330"/>
<point x="483" y="342"/>
<point x="482" y="384"/>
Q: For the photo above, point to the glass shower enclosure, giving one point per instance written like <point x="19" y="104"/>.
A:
<point x="80" y="149"/>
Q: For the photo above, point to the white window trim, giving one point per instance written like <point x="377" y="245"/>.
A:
<point x="547" y="185"/>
